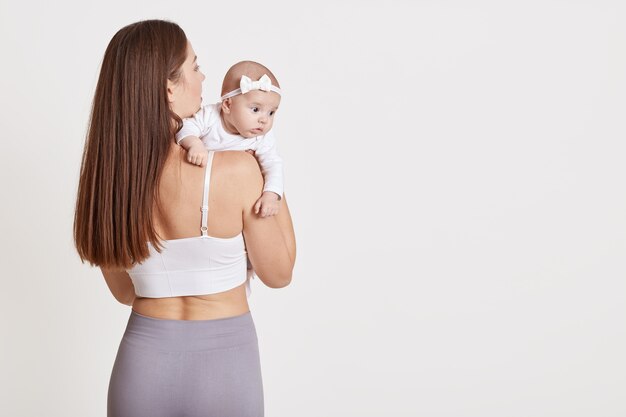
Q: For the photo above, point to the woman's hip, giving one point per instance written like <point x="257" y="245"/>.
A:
<point x="171" y="367"/>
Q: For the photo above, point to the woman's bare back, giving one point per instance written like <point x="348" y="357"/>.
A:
<point x="179" y="216"/>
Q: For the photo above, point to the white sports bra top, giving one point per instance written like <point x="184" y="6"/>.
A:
<point x="193" y="265"/>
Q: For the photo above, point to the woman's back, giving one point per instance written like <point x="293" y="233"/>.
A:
<point x="181" y="190"/>
<point x="235" y="183"/>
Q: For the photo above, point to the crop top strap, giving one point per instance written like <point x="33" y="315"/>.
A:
<point x="205" y="197"/>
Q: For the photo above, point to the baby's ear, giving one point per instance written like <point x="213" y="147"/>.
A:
<point x="226" y="106"/>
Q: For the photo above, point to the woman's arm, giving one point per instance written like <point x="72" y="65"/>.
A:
<point x="120" y="285"/>
<point x="270" y="241"/>
<point x="286" y="227"/>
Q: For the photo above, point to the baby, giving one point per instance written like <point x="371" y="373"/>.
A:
<point x="242" y="120"/>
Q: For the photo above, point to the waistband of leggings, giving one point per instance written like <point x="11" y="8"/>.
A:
<point x="189" y="335"/>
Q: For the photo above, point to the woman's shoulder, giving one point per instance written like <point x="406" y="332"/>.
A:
<point x="237" y="174"/>
<point x="236" y="168"/>
<point x="236" y="161"/>
<point x="236" y="165"/>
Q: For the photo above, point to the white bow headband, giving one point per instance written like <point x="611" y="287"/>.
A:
<point x="246" y="84"/>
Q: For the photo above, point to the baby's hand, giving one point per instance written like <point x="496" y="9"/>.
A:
<point x="267" y="205"/>
<point x="198" y="154"/>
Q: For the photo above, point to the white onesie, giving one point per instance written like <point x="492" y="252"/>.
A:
<point x="207" y="125"/>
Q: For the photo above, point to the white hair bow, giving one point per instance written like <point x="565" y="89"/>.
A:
<point x="246" y="85"/>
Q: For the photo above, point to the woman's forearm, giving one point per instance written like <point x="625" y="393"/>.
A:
<point x="283" y="218"/>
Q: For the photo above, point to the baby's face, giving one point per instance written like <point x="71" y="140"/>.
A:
<point x="252" y="114"/>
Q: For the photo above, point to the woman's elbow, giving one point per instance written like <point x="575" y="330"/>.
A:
<point x="127" y="301"/>
<point x="277" y="280"/>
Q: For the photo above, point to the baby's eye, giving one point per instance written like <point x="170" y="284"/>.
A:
<point x="197" y="68"/>
<point x="272" y="113"/>
<point x="255" y="109"/>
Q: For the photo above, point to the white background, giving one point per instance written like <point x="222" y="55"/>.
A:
<point x="455" y="171"/>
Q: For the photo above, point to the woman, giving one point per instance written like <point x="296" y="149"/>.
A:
<point x="169" y="236"/>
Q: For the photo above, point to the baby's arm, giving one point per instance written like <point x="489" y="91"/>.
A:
<point x="272" y="168"/>
<point x="197" y="153"/>
<point x="267" y="205"/>
<point x="189" y="136"/>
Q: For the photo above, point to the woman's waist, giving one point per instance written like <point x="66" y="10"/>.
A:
<point x="230" y="303"/>
<point x="188" y="329"/>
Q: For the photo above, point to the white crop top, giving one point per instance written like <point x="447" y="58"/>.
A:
<point x="193" y="265"/>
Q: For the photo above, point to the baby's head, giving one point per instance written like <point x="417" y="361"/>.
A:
<point x="249" y="113"/>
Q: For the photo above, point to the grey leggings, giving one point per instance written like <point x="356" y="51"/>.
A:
<point x="176" y="368"/>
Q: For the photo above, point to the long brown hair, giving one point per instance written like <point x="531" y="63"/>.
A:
<point x="131" y="131"/>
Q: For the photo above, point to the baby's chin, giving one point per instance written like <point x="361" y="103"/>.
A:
<point x="250" y="134"/>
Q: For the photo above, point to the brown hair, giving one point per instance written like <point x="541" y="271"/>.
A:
<point x="131" y="131"/>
